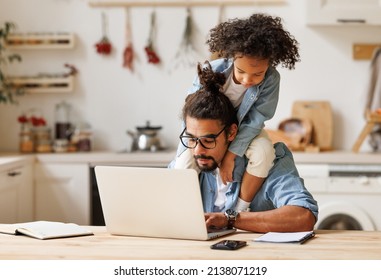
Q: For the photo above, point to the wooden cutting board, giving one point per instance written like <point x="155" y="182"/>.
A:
<point x="320" y="115"/>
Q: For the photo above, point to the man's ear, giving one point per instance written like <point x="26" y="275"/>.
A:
<point x="232" y="132"/>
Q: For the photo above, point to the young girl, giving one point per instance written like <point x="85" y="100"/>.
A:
<point x="249" y="50"/>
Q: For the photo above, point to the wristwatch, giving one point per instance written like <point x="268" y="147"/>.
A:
<point x="231" y="216"/>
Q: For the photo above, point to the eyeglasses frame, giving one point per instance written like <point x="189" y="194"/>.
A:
<point x="197" y="139"/>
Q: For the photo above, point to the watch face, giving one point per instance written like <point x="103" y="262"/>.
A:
<point x="231" y="213"/>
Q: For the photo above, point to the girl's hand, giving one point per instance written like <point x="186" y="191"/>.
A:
<point x="226" y="168"/>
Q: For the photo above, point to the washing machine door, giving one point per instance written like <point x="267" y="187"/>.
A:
<point x="343" y="216"/>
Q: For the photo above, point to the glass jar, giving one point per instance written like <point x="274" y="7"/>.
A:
<point x="81" y="137"/>
<point x="61" y="145"/>
<point x="42" y="139"/>
<point x="26" y="140"/>
<point x="84" y="141"/>
<point x="62" y="125"/>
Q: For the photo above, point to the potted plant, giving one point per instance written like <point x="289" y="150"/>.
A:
<point x="7" y="90"/>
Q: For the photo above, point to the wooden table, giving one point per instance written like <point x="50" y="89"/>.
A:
<point x="326" y="245"/>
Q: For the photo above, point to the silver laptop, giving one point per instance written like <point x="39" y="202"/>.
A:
<point x="153" y="202"/>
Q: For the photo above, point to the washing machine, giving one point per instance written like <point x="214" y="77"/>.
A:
<point x="348" y="195"/>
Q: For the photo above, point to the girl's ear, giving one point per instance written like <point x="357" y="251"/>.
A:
<point x="232" y="132"/>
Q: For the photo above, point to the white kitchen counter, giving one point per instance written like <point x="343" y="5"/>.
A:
<point x="9" y="162"/>
<point x="162" y="158"/>
<point x="338" y="157"/>
<point x="93" y="158"/>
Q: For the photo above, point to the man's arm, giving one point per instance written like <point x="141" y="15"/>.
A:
<point x="284" y="219"/>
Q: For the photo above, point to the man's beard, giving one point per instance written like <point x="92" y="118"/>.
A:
<point x="204" y="167"/>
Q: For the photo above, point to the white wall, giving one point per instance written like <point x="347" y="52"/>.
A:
<point x="114" y="100"/>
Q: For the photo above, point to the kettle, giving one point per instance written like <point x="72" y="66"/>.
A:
<point x="146" y="138"/>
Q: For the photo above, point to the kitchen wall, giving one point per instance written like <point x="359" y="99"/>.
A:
<point x="114" y="100"/>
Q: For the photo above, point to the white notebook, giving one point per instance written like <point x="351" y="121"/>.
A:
<point x="45" y="229"/>
<point x="286" y="237"/>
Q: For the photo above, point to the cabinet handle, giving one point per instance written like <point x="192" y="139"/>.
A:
<point x="14" y="173"/>
<point x="351" y="20"/>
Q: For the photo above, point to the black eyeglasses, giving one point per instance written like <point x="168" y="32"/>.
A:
<point x="207" y="141"/>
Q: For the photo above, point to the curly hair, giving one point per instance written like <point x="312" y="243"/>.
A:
<point x="260" y="36"/>
<point x="209" y="102"/>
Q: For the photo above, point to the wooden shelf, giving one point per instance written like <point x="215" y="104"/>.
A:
<point x="364" y="51"/>
<point x="177" y="3"/>
<point x="41" y="41"/>
<point x="44" y="84"/>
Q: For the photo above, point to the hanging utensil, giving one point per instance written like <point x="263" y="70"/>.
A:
<point x="149" y="49"/>
<point x="104" y="46"/>
<point x="128" y="54"/>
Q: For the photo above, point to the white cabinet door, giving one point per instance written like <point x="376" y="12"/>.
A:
<point x="16" y="195"/>
<point x="8" y="200"/>
<point x="25" y="193"/>
<point x="63" y="192"/>
<point x="343" y="12"/>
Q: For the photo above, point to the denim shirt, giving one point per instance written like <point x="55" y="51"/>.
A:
<point x="258" y="105"/>
<point x="283" y="186"/>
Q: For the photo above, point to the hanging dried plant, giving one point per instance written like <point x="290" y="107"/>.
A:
<point x="104" y="46"/>
<point x="187" y="54"/>
<point x="128" y="54"/>
<point x="149" y="48"/>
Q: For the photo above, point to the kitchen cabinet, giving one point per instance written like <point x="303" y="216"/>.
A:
<point x="66" y="188"/>
<point x="63" y="192"/>
<point x="16" y="194"/>
<point x="343" y="12"/>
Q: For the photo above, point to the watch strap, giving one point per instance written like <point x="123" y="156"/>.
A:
<point x="231" y="216"/>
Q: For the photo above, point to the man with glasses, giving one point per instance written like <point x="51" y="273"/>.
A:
<point x="282" y="204"/>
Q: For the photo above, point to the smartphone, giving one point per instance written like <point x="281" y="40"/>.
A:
<point x="228" y="245"/>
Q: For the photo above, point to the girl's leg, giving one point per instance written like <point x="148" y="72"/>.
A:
<point x="261" y="155"/>
<point x="185" y="161"/>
